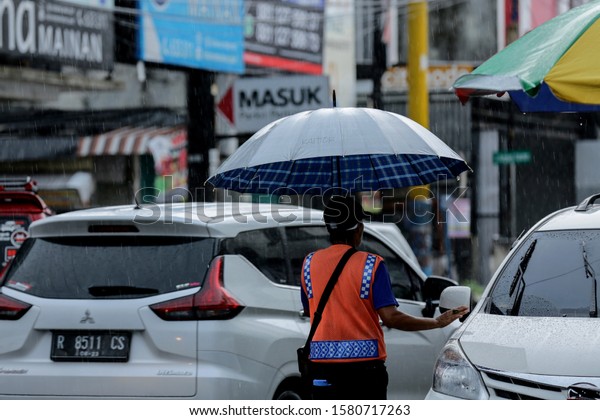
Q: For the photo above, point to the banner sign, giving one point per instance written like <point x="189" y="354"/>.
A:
<point x="285" y="34"/>
<point x="55" y="32"/>
<point x="190" y="33"/>
<point x="246" y="105"/>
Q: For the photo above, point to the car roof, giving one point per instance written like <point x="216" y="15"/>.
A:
<point x="586" y="215"/>
<point x="572" y="219"/>
<point x="204" y="219"/>
<point x="218" y="219"/>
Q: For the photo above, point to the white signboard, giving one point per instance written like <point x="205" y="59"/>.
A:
<point x="246" y="105"/>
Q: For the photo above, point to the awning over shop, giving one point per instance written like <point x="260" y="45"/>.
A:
<point x="127" y="141"/>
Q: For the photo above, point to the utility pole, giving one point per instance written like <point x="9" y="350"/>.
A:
<point x="418" y="66"/>
<point x="201" y="131"/>
<point x="420" y="225"/>
<point x="418" y="62"/>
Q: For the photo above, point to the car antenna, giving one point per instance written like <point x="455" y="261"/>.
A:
<point x="334" y="101"/>
<point x="137" y="205"/>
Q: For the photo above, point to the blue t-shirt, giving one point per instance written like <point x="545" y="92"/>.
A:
<point x="382" y="290"/>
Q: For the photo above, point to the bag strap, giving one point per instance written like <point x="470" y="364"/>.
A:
<point x="332" y="281"/>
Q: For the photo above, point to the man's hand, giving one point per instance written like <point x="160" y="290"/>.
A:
<point x="451" y="315"/>
<point x="393" y="318"/>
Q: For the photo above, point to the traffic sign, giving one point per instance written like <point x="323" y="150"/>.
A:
<point x="510" y="157"/>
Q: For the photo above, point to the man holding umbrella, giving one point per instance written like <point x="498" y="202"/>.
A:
<point x="348" y="350"/>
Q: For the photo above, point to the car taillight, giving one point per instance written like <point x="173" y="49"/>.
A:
<point x="12" y="309"/>
<point x="211" y="302"/>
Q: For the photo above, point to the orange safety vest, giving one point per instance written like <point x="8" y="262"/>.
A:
<point x="349" y="330"/>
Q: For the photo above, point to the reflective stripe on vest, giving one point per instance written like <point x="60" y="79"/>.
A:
<point x="365" y="288"/>
<point x="307" y="280"/>
<point x="350" y="349"/>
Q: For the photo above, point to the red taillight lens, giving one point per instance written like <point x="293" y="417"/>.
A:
<point x="12" y="309"/>
<point x="211" y="302"/>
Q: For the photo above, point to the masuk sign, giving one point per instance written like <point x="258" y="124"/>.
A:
<point x="246" y="105"/>
<point x="57" y="32"/>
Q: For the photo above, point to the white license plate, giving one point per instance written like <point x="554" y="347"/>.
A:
<point x="90" y="346"/>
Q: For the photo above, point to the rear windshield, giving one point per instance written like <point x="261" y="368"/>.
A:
<point x="552" y="274"/>
<point x="109" y="267"/>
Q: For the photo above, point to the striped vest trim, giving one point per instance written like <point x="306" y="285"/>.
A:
<point x="307" y="280"/>
<point x="365" y="288"/>
<point x="350" y="349"/>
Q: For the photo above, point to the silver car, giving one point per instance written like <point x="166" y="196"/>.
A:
<point x="534" y="334"/>
<point x="191" y="300"/>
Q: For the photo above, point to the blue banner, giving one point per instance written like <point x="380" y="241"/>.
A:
<point x="191" y="33"/>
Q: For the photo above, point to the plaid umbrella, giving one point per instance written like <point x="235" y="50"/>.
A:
<point x="554" y="67"/>
<point x="350" y="149"/>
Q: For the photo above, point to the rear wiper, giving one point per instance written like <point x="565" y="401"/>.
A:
<point x="100" y="291"/>
<point x="590" y="273"/>
<point x="518" y="279"/>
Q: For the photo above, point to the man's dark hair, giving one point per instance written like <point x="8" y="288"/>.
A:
<point x="342" y="236"/>
<point x="342" y="214"/>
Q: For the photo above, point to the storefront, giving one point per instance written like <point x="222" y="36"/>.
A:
<point x="96" y="158"/>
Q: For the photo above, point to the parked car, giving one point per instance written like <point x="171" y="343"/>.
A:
<point x="191" y="300"/>
<point x="20" y="205"/>
<point x="534" y="333"/>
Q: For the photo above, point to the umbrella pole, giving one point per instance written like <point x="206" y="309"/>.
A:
<point x="339" y="174"/>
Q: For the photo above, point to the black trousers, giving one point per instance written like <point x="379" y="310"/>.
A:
<point x="349" y="381"/>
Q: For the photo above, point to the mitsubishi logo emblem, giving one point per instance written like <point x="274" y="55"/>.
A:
<point x="583" y="391"/>
<point x="87" y="318"/>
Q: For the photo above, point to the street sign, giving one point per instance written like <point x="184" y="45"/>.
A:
<point x="245" y="105"/>
<point x="512" y="157"/>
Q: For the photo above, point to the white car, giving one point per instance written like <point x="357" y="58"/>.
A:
<point x="535" y="332"/>
<point x="191" y="300"/>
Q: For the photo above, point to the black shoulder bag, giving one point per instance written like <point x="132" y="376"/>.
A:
<point x="304" y="352"/>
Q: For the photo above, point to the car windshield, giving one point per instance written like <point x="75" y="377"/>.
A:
<point x="551" y="274"/>
<point x="109" y="267"/>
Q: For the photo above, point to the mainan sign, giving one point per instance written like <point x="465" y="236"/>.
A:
<point x="65" y="33"/>
<point x="247" y="105"/>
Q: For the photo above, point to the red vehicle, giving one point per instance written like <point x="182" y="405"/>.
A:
<point x="20" y="205"/>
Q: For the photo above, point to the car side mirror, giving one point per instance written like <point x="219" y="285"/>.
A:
<point x="455" y="296"/>
<point x="432" y="289"/>
<point x="434" y="285"/>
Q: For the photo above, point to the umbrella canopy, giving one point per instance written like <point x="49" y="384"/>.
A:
<point x="554" y="67"/>
<point x="352" y="149"/>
